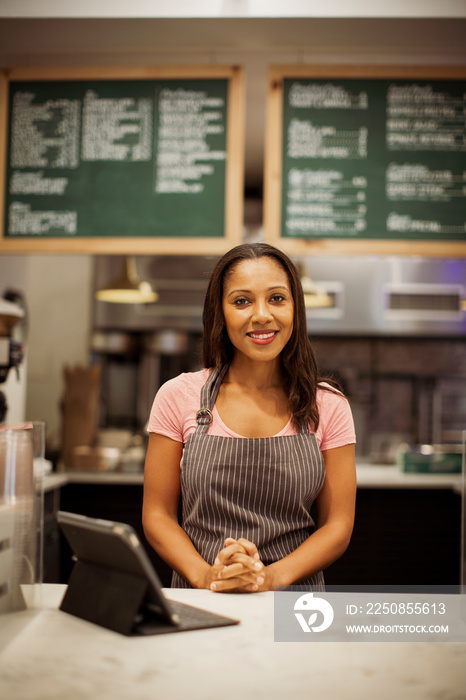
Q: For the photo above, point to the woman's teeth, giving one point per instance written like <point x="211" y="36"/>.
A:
<point x="261" y="336"/>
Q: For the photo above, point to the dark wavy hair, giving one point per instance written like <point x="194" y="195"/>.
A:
<point x="299" y="365"/>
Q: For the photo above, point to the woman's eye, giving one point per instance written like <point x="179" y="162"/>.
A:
<point x="241" y="302"/>
<point x="277" y="298"/>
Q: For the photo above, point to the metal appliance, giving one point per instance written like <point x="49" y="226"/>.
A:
<point x="11" y="351"/>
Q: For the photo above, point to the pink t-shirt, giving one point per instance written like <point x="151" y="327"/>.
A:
<point x="177" y="401"/>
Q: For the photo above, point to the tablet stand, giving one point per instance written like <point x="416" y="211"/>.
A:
<point x="107" y="597"/>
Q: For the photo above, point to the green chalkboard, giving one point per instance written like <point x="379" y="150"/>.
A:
<point x="116" y="158"/>
<point x="366" y="158"/>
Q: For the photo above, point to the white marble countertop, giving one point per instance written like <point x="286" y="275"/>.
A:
<point x="391" y="476"/>
<point x="46" y="654"/>
<point x="368" y="476"/>
<point x="59" y="479"/>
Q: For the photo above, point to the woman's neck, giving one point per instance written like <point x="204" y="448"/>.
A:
<point x="256" y="375"/>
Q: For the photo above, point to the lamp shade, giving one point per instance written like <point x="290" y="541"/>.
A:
<point x="128" y="288"/>
<point x="315" y="296"/>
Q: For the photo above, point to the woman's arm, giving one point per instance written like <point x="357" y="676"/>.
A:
<point x="162" y="487"/>
<point x="335" y="518"/>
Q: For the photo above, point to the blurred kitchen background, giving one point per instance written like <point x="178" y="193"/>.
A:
<point x="393" y="335"/>
<point x="393" y="330"/>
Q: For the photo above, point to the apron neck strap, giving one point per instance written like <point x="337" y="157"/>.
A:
<point x="208" y="397"/>
<point x="304" y="429"/>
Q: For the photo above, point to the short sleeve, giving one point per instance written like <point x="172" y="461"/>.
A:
<point x="336" y="425"/>
<point x="173" y="412"/>
<point x="165" y="415"/>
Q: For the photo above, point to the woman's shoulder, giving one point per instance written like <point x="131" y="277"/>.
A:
<point x="176" y="403"/>
<point x="184" y="384"/>
<point x="336" y="425"/>
<point x="331" y="402"/>
<point x="328" y="394"/>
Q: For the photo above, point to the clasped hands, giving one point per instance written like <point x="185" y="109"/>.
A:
<point x="238" y="569"/>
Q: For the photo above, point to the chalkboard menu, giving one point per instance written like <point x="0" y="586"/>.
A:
<point x="107" y="159"/>
<point x="370" y="159"/>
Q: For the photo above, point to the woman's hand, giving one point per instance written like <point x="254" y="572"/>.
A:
<point x="238" y="569"/>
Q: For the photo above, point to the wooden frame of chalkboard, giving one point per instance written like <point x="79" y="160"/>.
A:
<point x="321" y="177"/>
<point x="121" y="160"/>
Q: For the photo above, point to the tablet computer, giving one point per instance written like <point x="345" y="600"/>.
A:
<point x="114" y="584"/>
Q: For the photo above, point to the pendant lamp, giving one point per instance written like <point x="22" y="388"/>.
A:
<point x="315" y="297"/>
<point x="128" y="288"/>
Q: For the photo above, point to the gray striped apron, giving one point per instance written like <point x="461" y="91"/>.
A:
<point x="258" y="488"/>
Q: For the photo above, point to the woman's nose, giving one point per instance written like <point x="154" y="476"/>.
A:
<point x="261" y="312"/>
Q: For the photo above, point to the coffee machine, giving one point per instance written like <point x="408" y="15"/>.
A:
<point x="11" y="350"/>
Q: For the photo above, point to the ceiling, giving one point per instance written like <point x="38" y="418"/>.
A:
<point x="253" y="43"/>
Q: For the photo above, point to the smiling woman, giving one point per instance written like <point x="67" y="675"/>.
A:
<point x="258" y="308"/>
<point x="258" y="437"/>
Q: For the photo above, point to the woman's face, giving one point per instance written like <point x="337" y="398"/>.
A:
<point x="258" y="308"/>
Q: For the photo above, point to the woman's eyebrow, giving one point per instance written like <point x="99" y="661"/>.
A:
<point x="248" y="291"/>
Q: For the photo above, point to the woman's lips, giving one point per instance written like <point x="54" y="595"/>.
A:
<point x="262" y="338"/>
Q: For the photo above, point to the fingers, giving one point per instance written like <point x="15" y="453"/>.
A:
<point x="237" y="567"/>
<point x="232" y="546"/>
<point x="228" y="552"/>
<point x="241" y="566"/>
<point x="249" y="547"/>
<point x="236" y="584"/>
<point x="243" y="574"/>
